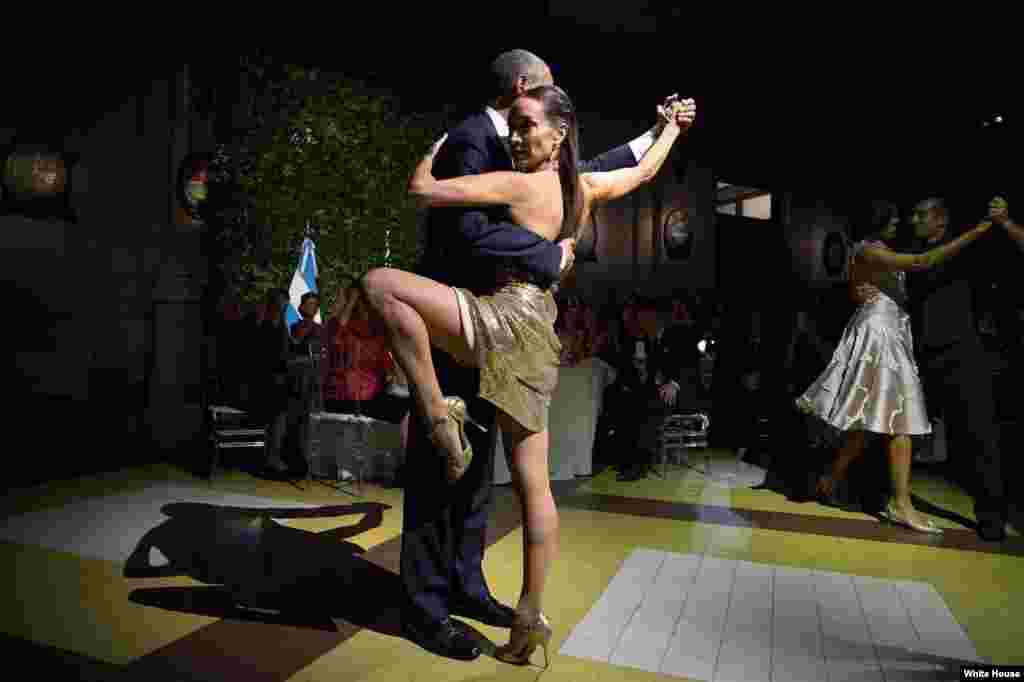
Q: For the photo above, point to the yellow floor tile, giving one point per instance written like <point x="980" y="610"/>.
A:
<point x="82" y="605"/>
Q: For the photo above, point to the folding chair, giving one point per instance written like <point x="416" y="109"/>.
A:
<point x="230" y="428"/>
<point x="227" y="426"/>
<point x="680" y="432"/>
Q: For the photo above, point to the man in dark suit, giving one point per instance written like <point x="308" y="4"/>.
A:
<point x="444" y="527"/>
<point x="955" y="369"/>
<point x="650" y="375"/>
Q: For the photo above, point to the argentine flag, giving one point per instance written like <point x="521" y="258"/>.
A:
<point x="303" y="280"/>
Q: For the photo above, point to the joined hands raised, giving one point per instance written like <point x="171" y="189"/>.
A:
<point x="677" y="112"/>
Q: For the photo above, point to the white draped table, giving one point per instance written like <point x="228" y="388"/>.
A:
<point x="572" y="422"/>
<point x="354" y="442"/>
<point x="343" y="440"/>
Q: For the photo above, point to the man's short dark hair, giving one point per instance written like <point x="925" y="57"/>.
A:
<point x="509" y="66"/>
<point x="934" y="203"/>
<point x="308" y="295"/>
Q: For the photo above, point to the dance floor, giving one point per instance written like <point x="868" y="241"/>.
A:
<point x="138" y="575"/>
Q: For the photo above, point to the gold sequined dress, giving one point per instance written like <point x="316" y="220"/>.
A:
<point x="511" y="331"/>
<point x="872" y="382"/>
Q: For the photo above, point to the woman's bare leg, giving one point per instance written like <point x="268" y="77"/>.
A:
<point x="417" y="312"/>
<point x="849" y="452"/>
<point x="899" y="471"/>
<point x="527" y="455"/>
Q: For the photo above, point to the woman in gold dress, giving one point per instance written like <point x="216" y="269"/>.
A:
<point x="509" y="334"/>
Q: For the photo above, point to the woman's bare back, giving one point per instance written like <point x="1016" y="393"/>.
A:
<point x="540" y="209"/>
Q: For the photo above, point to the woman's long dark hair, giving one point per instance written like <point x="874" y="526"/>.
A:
<point x="559" y="110"/>
<point x="876" y="217"/>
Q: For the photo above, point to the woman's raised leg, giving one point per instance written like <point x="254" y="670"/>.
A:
<point x="418" y="312"/>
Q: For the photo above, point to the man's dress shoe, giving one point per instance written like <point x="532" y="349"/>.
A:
<point x="444" y="639"/>
<point x="491" y="612"/>
<point x="992" y="528"/>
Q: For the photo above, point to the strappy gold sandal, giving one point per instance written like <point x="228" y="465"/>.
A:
<point x="458" y="459"/>
<point x="524" y="640"/>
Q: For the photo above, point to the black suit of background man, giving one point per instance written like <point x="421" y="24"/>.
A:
<point x="957" y="375"/>
<point x="645" y="364"/>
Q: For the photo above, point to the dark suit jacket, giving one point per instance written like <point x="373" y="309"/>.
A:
<point x="463" y="246"/>
<point x="941" y="300"/>
<point x="662" y="356"/>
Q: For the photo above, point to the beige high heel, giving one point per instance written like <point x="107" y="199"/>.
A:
<point x="460" y="458"/>
<point x="524" y="640"/>
<point x="890" y="514"/>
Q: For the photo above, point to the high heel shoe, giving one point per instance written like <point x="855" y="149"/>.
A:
<point x="825" y="487"/>
<point x="825" y="492"/>
<point x="890" y="514"/>
<point x="524" y="640"/>
<point x="459" y="458"/>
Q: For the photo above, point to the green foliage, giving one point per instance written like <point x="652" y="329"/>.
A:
<point x="333" y="166"/>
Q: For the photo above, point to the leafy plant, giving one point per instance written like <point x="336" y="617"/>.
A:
<point x="325" y="158"/>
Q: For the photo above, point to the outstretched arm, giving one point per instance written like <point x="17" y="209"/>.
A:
<point x="629" y="154"/>
<point x="1016" y="233"/>
<point x="999" y="213"/>
<point x="612" y="185"/>
<point x="889" y="260"/>
<point x="499" y="188"/>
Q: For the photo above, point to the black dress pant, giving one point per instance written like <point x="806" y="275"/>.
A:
<point x="958" y="386"/>
<point x="637" y="414"/>
<point x="444" y="527"/>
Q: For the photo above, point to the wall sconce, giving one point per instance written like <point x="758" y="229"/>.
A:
<point x="678" y="238"/>
<point x="193" y="188"/>
<point x="36" y="182"/>
<point x="834" y="254"/>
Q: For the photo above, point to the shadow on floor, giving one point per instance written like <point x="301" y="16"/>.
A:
<point x="259" y="570"/>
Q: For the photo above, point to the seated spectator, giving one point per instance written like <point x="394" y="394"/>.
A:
<point x="681" y="337"/>
<point x="357" y="366"/>
<point x="644" y="393"/>
<point x="307" y="332"/>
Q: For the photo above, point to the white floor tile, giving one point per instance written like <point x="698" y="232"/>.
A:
<point x="938" y="632"/>
<point x="599" y="632"/>
<point x="709" y="618"/>
<point x="645" y="639"/>
<point x="697" y="640"/>
<point x="746" y="650"/>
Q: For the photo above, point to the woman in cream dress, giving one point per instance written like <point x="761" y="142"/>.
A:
<point x="872" y="385"/>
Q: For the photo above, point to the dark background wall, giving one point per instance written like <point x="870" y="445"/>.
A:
<point x="84" y="347"/>
<point x="86" y="298"/>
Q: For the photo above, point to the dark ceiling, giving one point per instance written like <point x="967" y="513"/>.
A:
<point x="880" y="116"/>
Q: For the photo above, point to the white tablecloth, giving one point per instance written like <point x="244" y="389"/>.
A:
<point x="572" y="422"/>
<point x="344" y="439"/>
